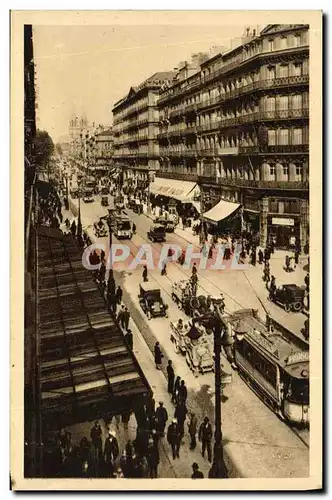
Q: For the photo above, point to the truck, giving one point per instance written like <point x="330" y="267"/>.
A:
<point x="157" y="233"/>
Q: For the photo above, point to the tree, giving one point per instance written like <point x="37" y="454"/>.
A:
<point x="44" y="148"/>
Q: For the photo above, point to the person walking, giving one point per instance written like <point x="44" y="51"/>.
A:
<point x="307" y="282"/>
<point x="96" y="439"/>
<point x="153" y="459"/>
<point x="287" y="264"/>
<point x="164" y="268"/>
<point x="192" y="429"/>
<point x="119" y="294"/>
<point x="126" y="318"/>
<point x="129" y="339"/>
<point x="170" y="377"/>
<point x="174" y="438"/>
<point x="260" y="256"/>
<point x="205" y="436"/>
<point x="134" y="228"/>
<point x="180" y="414"/>
<point x="160" y="418"/>
<point x="183" y="393"/>
<point x="158" y="356"/>
<point x="176" y="388"/>
<point x="145" y="273"/>
<point x="273" y="287"/>
<point x="197" y="474"/>
<point x="297" y="256"/>
<point x="120" y="315"/>
<point x="111" y="452"/>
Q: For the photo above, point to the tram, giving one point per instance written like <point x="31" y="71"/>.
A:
<point x="274" y="362"/>
<point x="123" y="227"/>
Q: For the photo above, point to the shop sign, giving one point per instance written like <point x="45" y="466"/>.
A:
<point x="278" y="221"/>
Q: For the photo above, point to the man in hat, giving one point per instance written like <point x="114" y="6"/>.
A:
<point x="153" y="458"/>
<point x="111" y="451"/>
<point x="197" y="474"/>
<point x="192" y="429"/>
<point x="129" y="339"/>
<point x="96" y="439"/>
<point x="170" y="377"/>
<point x="174" y="438"/>
<point x="205" y="436"/>
<point x="161" y="418"/>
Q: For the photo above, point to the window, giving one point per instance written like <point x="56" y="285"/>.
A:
<point x="297" y="136"/>
<point x="283" y="102"/>
<point x="272" y="171"/>
<point x="283" y="43"/>
<point x="298" y="171"/>
<point x="285" y="171"/>
<point x="271" y="45"/>
<point x="297" y="101"/>
<point x="297" y="69"/>
<point x="271" y="73"/>
<point x="270" y="104"/>
<point x="271" y="137"/>
<point x="281" y="207"/>
<point x="283" y="136"/>
<point x="283" y="70"/>
<point x="297" y="39"/>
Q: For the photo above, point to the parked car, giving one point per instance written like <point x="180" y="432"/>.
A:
<point x="157" y="233"/>
<point x="167" y="223"/>
<point x="291" y="297"/>
<point x="150" y="300"/>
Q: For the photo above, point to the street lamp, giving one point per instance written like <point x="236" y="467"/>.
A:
<point x="111" y="281"/>
<point x="216" y="322"/>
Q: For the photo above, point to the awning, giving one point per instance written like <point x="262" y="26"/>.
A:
<point x="183" y="191"/>
<point x="221" y="211"/>
<point x="197" y="205"/>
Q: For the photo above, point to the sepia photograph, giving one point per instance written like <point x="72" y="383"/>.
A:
<point x="166" y="195"/>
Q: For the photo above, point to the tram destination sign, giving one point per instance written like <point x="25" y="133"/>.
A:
<point x="298" y="357"/>
<point x="280" y="221"/>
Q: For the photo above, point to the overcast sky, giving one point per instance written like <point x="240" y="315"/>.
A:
<point x="89" y="68"/>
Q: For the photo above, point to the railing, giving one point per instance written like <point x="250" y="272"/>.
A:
<point x="286" y="185"/>
<point x="189" y="108"/>
<point x="176" y="112"/>
<point x="287" y="148"/>
<point x="182" y="176"/>
<point x="179" y="153"/>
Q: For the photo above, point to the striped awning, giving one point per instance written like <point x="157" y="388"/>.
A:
<point x="183" y="191"/>
<point x="221" y="211"/>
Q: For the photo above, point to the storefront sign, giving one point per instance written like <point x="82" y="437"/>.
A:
<point x="278" y="221"/>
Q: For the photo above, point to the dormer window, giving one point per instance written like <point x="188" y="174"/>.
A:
<point x="271" y="44"/>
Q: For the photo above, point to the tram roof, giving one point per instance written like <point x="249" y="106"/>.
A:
<point x="275" y="345"/>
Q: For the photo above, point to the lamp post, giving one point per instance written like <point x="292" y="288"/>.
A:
<point x="111" y="281"/>
<point x="217" y="323"/>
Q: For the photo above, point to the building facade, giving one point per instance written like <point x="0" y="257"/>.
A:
<point x="104" y="151"/>
<point x="135" y="129"/>
<point x="240" y="127"/>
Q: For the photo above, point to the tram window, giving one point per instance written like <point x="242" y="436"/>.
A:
<point x="298" y="391"/>
<point x="262" y="365"/>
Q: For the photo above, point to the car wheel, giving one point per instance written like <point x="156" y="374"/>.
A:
<point x="287" y="308"/>
<point x="297" y="306"/>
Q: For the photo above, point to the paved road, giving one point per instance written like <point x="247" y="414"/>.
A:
<point x="254" y="438"/>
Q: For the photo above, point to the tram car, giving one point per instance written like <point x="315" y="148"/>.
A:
<point x="274" y="362"/>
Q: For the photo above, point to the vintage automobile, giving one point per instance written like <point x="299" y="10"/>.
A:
<point x="157" y="233"/>
<point x="150" y="300"/>
<point x="104" y="201"/>
<point x="167" y="223"/>
<point x="290" y="297"/>
<point x="88" y="196"/>
<point x="196" y="343"/>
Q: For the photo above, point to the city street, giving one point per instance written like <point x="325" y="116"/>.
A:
<point x="256" y="442"/>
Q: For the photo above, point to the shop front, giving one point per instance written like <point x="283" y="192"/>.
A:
<point x="285" y="231"/>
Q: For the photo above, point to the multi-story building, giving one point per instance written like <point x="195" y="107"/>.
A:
<point x="104" y="151"/>
<point x="135" y="129"/>
<point x="240" y="127"/>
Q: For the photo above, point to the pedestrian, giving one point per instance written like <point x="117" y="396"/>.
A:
<point x="273" y="287"/>
<point x="164" y="268"/>
<point x="160" y="418"/>
<point x="174" y="438"/>
<point x="197" y="474"/>
<point x="126" y="318"/>
<point x="145" y="273"/>
<point x="150" y="411"/>
<point x="158" y="355"/>
<point x="125" y="417"/>
<point x="111" y="452"/>
<point x="180" y="414"/>
<point x="134" y="228"/>
<point x="153" y="459"/>
<point x="183" y="393"/>
<point x="102" y="272"/>
<point x="112" y="303"/>
<point x="253" y="257"/>
<point x="194" y="270"/>
<point x="260" y="256"/>
<point x="129" y="339"/>
<point x="119" y="294"/>
<point x="176" y="390"/>
<point x="287" y="263"/>
<point x="96" y="439"/>
<point x="120" y="315"/>
<point x="205" y="436"/>
<point x="170" y="377"/>
<point x="306" y="282"/>
<point x="192" y="429"/>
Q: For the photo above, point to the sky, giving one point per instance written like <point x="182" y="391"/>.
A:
<point x="89" y="68"/>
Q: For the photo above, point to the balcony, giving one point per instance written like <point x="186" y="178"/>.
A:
<point x="176" y="112"/>
<point x="283" y="185"/>
<point x="181" y="176"/>
<point x="287" y="148"/>
<point x="190" y="108"/>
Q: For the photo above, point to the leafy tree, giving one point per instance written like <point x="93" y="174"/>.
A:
<point x="44" y="148"/>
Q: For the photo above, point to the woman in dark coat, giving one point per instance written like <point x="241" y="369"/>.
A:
<point x="158" y="355"/>
<point x="176" y="390"/>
